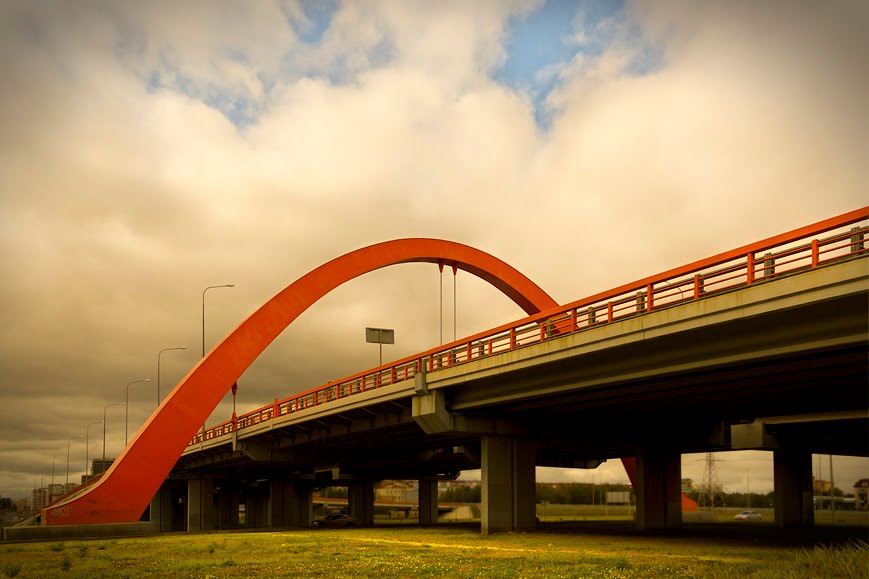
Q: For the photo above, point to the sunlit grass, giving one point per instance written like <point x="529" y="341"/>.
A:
<point x="413" y="552"/>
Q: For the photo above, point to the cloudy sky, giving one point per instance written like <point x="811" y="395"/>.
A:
<point x="149" y="150"/>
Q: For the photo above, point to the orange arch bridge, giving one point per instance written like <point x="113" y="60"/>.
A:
<point x="123" y="493"/>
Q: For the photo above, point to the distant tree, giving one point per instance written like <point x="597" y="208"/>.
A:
<point x="334" y="493"/>
<point x="576" y="493"/>
<point x="6" y="504"/>
<point x="469" y="494"/>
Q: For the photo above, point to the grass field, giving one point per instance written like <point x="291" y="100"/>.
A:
<point x="446" y="551"/>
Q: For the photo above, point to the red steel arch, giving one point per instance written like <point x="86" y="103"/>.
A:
<point x="135" y="477"/>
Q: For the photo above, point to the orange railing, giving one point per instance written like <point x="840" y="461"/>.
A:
<point x="791" y="253"/>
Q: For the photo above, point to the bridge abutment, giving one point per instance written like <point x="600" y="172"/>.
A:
<point x="792" y="473"/>
<point x="508" y="484"/>
<point x="659" y="488"/>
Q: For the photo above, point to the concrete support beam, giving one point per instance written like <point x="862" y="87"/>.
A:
<point x="792" y="473"/>
<point x="659" y="482"/>
<point x="228" y="502"/>
<point x="428" y="502"/>
<point x="361" y="501"/>
<point x="291" y="504"/>
<point x="429" y="410"/>
<point x="508" y="484"/>
<point x="200" y="505"/>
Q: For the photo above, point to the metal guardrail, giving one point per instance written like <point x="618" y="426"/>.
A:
<point x="790" y="253"/>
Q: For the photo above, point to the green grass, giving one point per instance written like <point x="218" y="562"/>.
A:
<point x="436" y="552"/>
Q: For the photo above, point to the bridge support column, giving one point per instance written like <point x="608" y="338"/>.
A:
<point x="200" y="505"/>
<point x="256" y="505"/>
<point x="428" y="502"/>
<point x="161" y="509"/>
<point x="508" y="484"/>
<point x="291" y="504"/>
<point x="361" y="501"/>
<point x="229" y="494"/>
<point x="169" y="507"/>
<point x="659" y="488"/>
<point x="792" y="473"/>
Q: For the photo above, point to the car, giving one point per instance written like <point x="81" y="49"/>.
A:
<point x="336" y="520"/>
<point x="748" y="516"/>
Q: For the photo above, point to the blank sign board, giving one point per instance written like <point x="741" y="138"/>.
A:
<point x="379" y="336"/>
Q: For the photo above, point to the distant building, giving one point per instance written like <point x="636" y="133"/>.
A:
<point x="100" y="466"/>
<point x="55" y="491"/>
<point x="820" y="486"/>
<point x="687" y="485"/>
<point x="861" y="493"/>
<point x="451" y="484"/>
<point x="39" y="499"/>
<point x="397" y="491"/>
<point x="23" y="507"/>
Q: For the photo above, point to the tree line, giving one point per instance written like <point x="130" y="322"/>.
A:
<point x="588" y="494"/>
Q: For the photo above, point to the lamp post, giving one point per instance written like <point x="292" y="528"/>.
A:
<point x="104" y="428"/>
<point x="203" y="311"/>
<point x="127" y="407"/>
<point x="202" y="438"/>
<point x="158" y="368"/>
<point x="67" y="456"/>
<point x="87" y="443"/>
<point x="51" y="488"/>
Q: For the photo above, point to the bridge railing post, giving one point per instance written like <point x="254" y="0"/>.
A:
<point x="641" y="301"/>
<point x="768" y="265"/>
<point x="857" y="240"/>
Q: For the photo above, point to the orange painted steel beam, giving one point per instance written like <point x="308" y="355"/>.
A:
<point x="122" y="494"/>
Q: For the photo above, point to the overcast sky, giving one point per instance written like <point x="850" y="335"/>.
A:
<point x="151" y="149"/>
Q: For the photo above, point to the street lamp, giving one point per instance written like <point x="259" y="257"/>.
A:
<point x="158" y="368"/>
<point x="202" y="439"/>
<point x="51" y="488"/>
<point x="104" y="428"/>
<point x="127" y="407"/>
<point x="52" y="469"/>
<point x="67" y="456"/>
<point x="203" y="311"/>
<point x="87" y="445"/>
